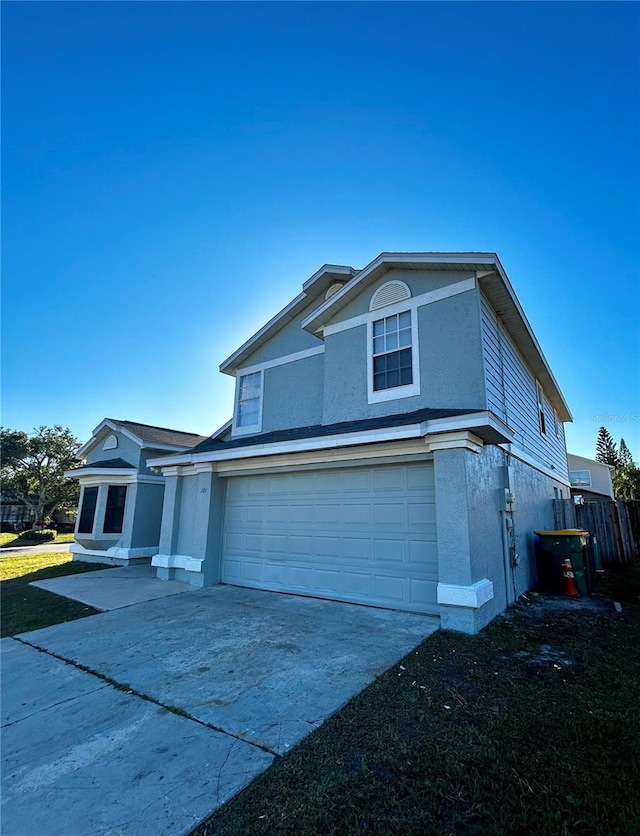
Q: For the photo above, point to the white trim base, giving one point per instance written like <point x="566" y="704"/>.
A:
<point x="177" y="561"/>
<point x="114" y="556"/>
<point x="473" y="596"/>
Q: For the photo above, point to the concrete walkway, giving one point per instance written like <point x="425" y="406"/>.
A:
<point x="111" y="589"/>
<point x="45" y="547"/>
<point x="145" y="719"/>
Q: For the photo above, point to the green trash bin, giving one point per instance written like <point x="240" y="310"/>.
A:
<point x="555" y="548"/>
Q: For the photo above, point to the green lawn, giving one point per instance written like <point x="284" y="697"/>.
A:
<point x="24" y="607"/>
<point x="7" y="540"/>
<point x="530" y="727"/>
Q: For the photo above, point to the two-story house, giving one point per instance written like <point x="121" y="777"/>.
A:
<point x="397" y="436"/>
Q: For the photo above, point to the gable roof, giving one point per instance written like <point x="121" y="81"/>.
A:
<point x="146" y="435"/>
<point x="327" y="275"/>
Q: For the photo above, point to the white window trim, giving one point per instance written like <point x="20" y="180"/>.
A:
<point x="398" y="392"/>
<point x="251" y="429"/>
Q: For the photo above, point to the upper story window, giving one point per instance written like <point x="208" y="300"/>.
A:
<point x="392" y="355"/>
<point x="580" y="478"/>
<point x="248" y="414"/>
<point x="540" y="401"/>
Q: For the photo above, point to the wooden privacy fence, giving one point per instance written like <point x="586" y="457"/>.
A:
<point x="614" y="525"/>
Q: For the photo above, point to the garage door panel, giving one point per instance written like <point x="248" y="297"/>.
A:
<point x="360" y="534"/>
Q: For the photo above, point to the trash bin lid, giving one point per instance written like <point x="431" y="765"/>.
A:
<point x="564" y="532"/>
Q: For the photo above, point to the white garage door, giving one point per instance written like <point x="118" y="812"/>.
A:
<point x="361" y="534"/>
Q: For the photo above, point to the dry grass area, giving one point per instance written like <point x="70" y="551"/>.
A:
<point x="530" y="727"/>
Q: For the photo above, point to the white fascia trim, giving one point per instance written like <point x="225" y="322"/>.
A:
<point x="397" y="392"/>
<point x="526" y="458"/>
<point x="177" y="561"/>
<point x="474" y="595"/>
<point x="113" y="476"/>
<point x="252" y="429"/>
<point x="397" y="258"/>
<point x="82" y="451"/>
<point x="474" y="419"/>
<point x="298" y="445"/>
<point x="454" y="440"/>
<point x="398" y="307"/>
<point x="222" y="429"/>
<point x="152" y="445"/>
<point x="286" y="313"/>
<point x="281" y="361"/>
<point x="333" y="269"/>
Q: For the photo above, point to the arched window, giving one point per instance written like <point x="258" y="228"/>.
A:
<point x="335" y="287"/>
<point x="111" y="443"/>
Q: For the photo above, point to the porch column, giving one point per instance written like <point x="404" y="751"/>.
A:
<point x="169" y="527"/>
<point x="462" y="591"/>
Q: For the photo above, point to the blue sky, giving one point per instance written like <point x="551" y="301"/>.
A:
<point x="173" y="172"/>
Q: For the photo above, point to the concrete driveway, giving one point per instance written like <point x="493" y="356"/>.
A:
<point x="146" y="719"/>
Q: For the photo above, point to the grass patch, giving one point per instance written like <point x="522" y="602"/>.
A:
<point x="11" y="540"/>
<point x="530" y="727"/>
<point x="24" y="607"/>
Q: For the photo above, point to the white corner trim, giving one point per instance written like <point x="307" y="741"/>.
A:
<point x="451" y="441"/>
<point x="281" y="361"/>
<point x="475" y="595"/>
<point x="177" y="561"/>
<point x="412" y="304"/>
<point x="469" y="421"/>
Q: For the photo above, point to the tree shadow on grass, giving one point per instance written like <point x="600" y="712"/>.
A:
<point x="24" y="607"/>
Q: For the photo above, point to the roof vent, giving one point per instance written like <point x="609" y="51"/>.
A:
<point x="335" y="287"/>
<point x="111" y="443"/>
<point x="389" y="294"/>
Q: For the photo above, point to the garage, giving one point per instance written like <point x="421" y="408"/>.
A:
<point x="366" y="535"/>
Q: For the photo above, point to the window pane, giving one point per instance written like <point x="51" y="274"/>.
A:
<point x="393" y="379"/>
<point x="114" y="512"/>
<point x="88" y="512"/>
<point x="404" y="320"/>
<point x="378" y="345"/>
<point x="378" y="327"/>
<point x="404" y="337"/>
<point x="249" y="394"/>
<point x="392" y="341"/>
<point x="406" y="376"/>
<point x="379" y="382"/>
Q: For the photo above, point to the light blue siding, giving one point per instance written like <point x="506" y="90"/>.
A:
<point x="511" y="394"/>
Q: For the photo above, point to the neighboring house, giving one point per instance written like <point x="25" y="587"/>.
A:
<point x="121" y="497"/>
<point x="397" y="437"/>
<point x="14" y="514"/>
<point x="590" y="479"/>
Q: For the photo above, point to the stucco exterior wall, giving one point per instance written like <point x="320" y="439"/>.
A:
<point x="289" y="340"/>
<point x="186" y="520"/>
<point x="418" y="281"/>
<point x="450" y="359"/>
<point x="293" y="394"/>
<point x="126" y="449"/>
<point x="145" y="528"/>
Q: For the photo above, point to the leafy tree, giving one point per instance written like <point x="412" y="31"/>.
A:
<point x="33" y="467"/>
<point x="626" y="482"/>
<point x="624" y="454"/>
<point x="606" y="448"/>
